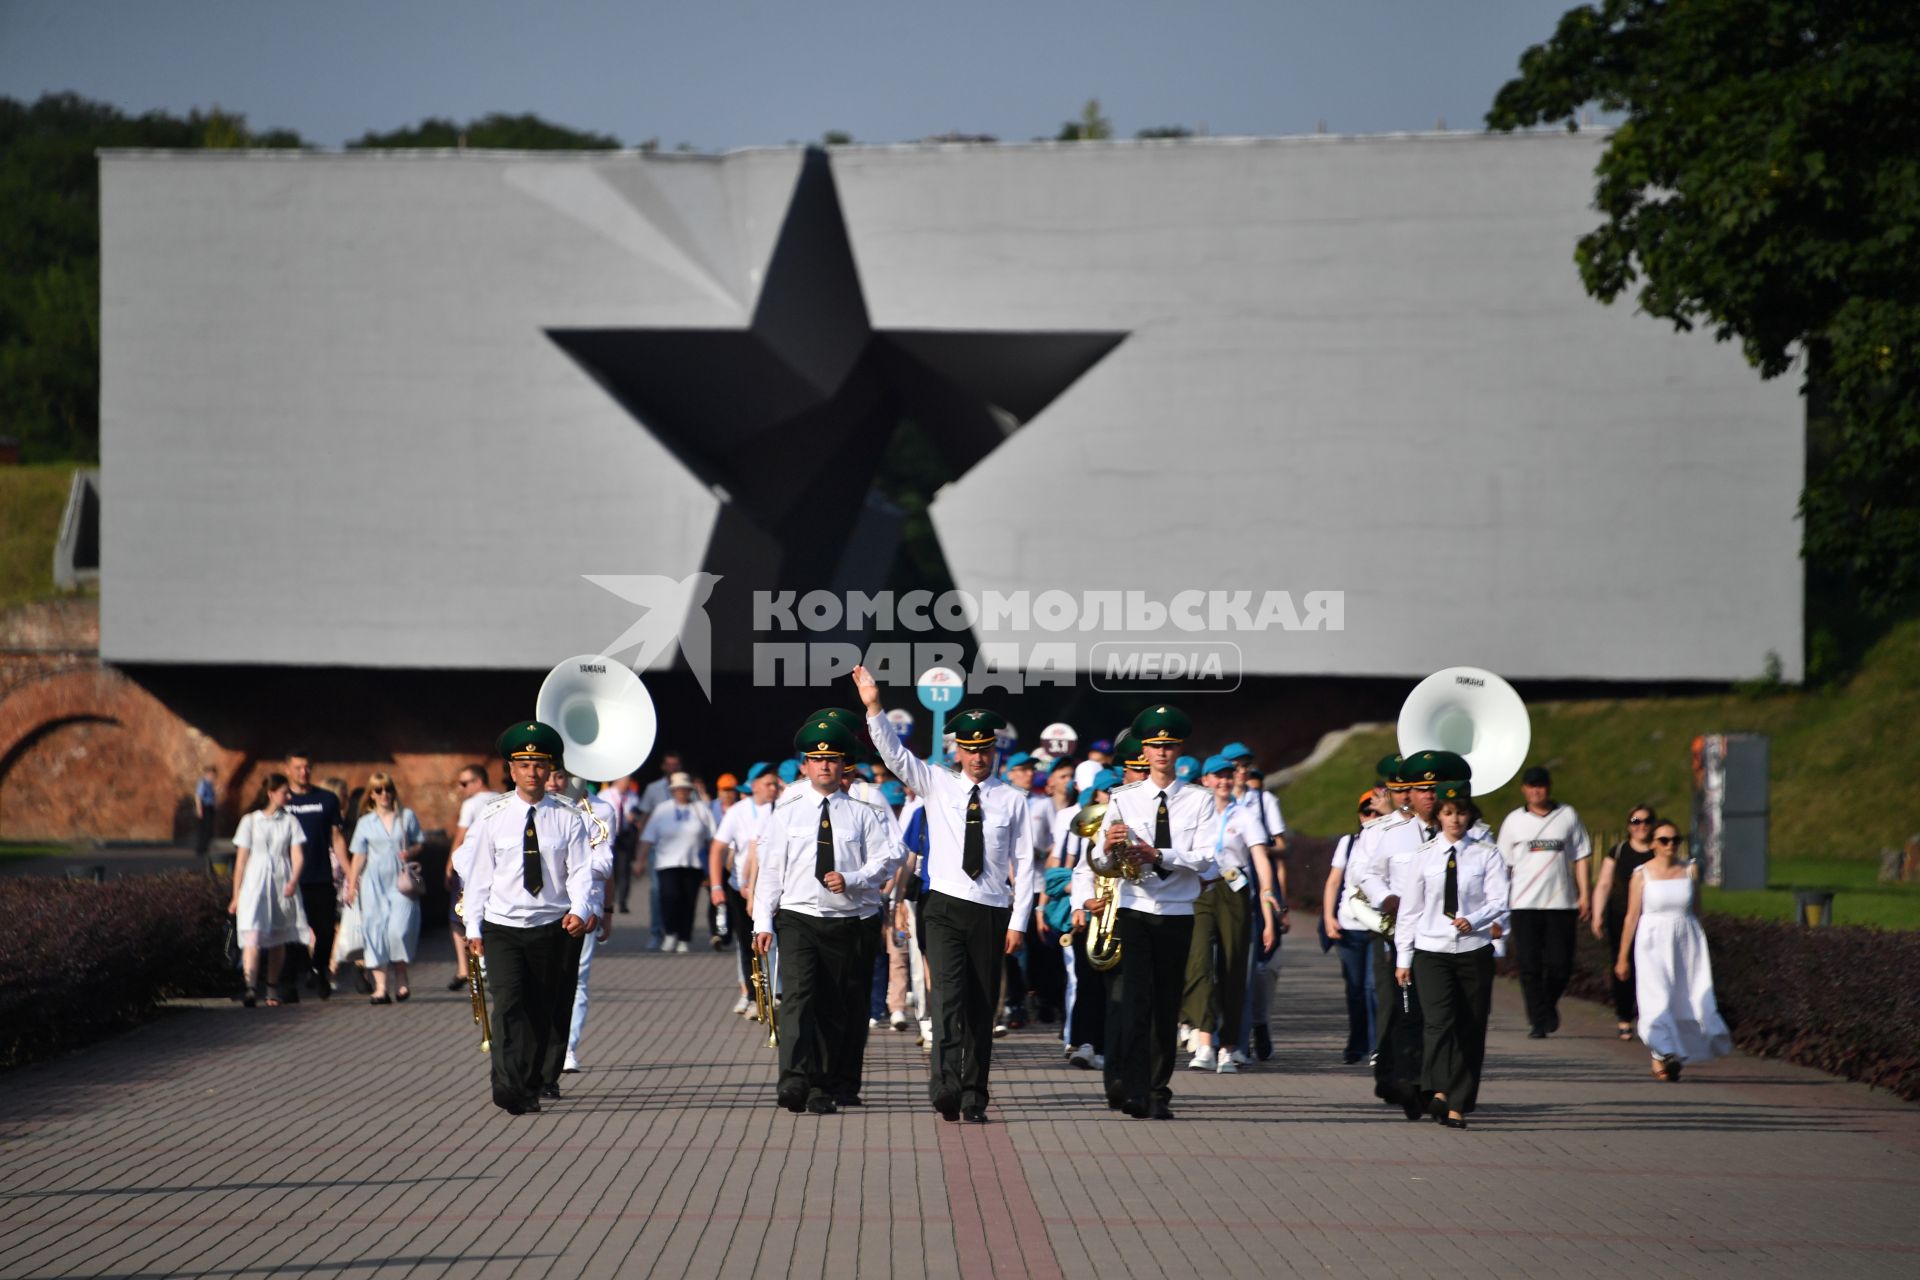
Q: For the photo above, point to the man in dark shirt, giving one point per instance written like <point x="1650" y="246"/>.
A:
<point x="317" y="810"/>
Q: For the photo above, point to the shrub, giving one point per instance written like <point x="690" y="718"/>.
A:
<point x="1839" y="999"/>
<point x="79" y="960"/>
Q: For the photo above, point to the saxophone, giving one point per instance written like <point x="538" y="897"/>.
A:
<point x="1103" y="939"/>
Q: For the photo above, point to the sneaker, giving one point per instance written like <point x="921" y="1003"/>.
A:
<point x="1203" y="1059"/>
<point x="1099" y="1062"/>
<point x="1227" y="1066"/>
<point x="876" y="1024"/>
<point x="898" y="1020"/>
<point x="680" y="945"/>
<point x="1186" y="1035"/>
<point x="926" y="1033"/>
<point x="1240" y="1058"/>
<point x="1000" y="1028"/>
<point x="742" y="1005"/>
<point x="668" y="943"/>
<point x="571" y="1065"/>
<point x="1082" y="1057"/>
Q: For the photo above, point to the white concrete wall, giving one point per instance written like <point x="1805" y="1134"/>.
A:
<point x="1362" y="365"/>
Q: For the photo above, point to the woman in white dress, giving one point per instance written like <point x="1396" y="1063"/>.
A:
<point x="387" y="835"/>
<point x="266" y="886"/>
<point x="1663" y="945"/>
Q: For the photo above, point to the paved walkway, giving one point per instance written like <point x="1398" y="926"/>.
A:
<point x="342" y="1141"/>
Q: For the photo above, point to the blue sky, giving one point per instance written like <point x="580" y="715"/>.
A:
<point x="721" y="74"/>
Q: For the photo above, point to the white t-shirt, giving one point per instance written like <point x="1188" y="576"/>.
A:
<point x="678" y="836"/>
<point x="470" y="807"/>
<point x="739" y="825"/>
<point x="1540" y="853"/>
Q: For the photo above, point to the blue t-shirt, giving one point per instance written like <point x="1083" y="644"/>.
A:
<point x="318" y="813"/>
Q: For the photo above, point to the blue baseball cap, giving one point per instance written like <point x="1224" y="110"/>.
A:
<point x="1016" y="759"/>
<point x="789" y="770"/>
<point x="1186" y="768"/>
<point x="1237" y="751"/>
<point x="1101" y="744"/>
<point x="759" y="767"/>
<point x="893" y="793"/>
<point x="1105" y="780"/>
<point x="1219" y="762"/>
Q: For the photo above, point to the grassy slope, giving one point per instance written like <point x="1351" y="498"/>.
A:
<point x="31" y="502"/>
<point x="1842" y="763"/>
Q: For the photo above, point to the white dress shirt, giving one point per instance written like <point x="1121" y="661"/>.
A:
<point x="1071" y="849"/>
<point x="1007" y="871"/>
<point x="864" y="851"/>
<point x="1170" y="890"/>
<point x="1540" y="853"/>
<point x="1480" y="887"/>
<point x="571" y="871"/>
<point x="736" y="831"/>
<point x="1347" y="858"/>
<point x="1231" y="833"/>
<point x="1041" y="807"/>
<point x="1388" y="848"/>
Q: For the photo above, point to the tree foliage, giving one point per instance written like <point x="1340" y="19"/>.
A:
<point x="497" y="131"/>
<point x="50" y="255"/>
<point x="1765" y="183"/>
<point x="1090" y="126"/>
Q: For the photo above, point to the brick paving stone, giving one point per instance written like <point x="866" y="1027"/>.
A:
<point x="342" y="1141"/>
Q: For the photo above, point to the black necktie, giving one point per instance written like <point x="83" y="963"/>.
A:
<point x="1450" y="896"/>
<point x="530" y="874"/>
<point x="1162" y="829"/>
<point x="973" y="853"/>
<point x="823" y="846"/>
<point x="1427" y="833"/>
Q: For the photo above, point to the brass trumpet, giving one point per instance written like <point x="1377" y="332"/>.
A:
<point x="763" y="1001"/>
<point x="477" y="989"/>
<point x="1103" y="939"/>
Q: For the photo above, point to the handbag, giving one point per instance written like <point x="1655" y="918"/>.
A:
<point x="407" y="882"/>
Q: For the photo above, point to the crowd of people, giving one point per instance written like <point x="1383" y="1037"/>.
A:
<point x="1133" y="895"/>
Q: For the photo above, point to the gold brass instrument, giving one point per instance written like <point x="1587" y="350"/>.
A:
<point x="1103" y="939"/>
<point x="1368" y="914"/>
<point x="763" y="1010"/>
<point x="477" y="989"/>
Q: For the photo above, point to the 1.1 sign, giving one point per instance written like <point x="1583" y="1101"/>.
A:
<point x="939" y="689"/>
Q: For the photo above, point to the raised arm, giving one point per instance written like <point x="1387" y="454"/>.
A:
<point x="916" y="773"/>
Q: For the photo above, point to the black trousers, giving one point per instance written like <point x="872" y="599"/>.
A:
<point x="823" y="992"/>
<point x="1543" y="949"/>
<point x="1456" y="990"/>
<point x="679" y="893"/>
<point x="740" y="924"/>
<point x="965" y="942"/>
<point x="527" y="976"/>
<point x="623" y="849"/>
<point x="1626" y="1006"/>
<point x="853" y="1059"/>
<point x="1089" y="999"/>
<point x="1143" y="1003"/>
<point x="569" y="979"/>
<point x="322" y="906"/>
<point x="1398" y="1052"/>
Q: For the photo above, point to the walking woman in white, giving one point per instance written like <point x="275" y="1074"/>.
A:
<point x="1664" y="947"/>
<point x="266" y="907"/>
<point x="385" y="887"/>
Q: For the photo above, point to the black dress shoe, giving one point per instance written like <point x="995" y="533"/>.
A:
<point x="1451" y="1123"/>
<point x="974" y="1115"/>
<point x="1138" y="1108"/>
<point x="551" y="1091"/>
<point x="821" y="1105"/>
<point x="532" y="1104"/>
<point x="1536" y="1033"/>
<point x="1437" y="1107"/>
<point x="455" y="983"/>
<point x="1412" y="1109"/>
<point x="1160" y="1110"/>
<point x="847" y="1099"/>
<point x="1553" y="1022"/>
<point x="794" y="1102"/>
<point x="949" y="1109"/>
<point x="324" y="989"/>
<point x="1263" y="1044"/>
<point x="1115" y="1102"/>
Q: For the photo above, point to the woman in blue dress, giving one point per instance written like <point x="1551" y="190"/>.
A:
<point x="386" y="836"/>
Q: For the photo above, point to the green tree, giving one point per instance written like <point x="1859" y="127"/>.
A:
<point x="497" y="131"/>
<point x="1765" y="183"/>
<point x="1165" y="131"/>
<point x="1091" y="125"/>
<point x="50" y="256"/>
<point x="836" y="138"/>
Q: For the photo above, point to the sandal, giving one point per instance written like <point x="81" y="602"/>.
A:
<point x="273" y="1002"/>
<point x="1659" y="1069"/>
<point x="402" y="994"/>
<point x="1625" y="1030"/>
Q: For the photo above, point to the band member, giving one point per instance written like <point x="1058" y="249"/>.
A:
<point x="1226" y="912"/>
<point x="1455" y="893"/>
<point x="727" y="863"/>
<point x="1157" y="826"/>
<point x="981" y="885"/>
<point x="534" y="886"/>
<point x="825" y="859"/>
<point x="1087" y="1019"/>
<point x="1380" y="859"/>
<point x="603" y="824"/>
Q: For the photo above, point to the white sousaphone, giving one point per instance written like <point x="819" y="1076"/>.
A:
<point x="603" y="713"/>
<point x="1474" y="714"/>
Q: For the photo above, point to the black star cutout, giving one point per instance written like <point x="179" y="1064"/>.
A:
<point x="788" y="419"/>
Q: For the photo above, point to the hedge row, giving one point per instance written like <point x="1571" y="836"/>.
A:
<point x="79" y="960"/>
<point x="1841" y="999"/>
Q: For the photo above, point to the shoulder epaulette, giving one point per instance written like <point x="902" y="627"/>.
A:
<point x="497" y="804"/>
<point x="789" y="798"/>
<point x="1127" y="786"/>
